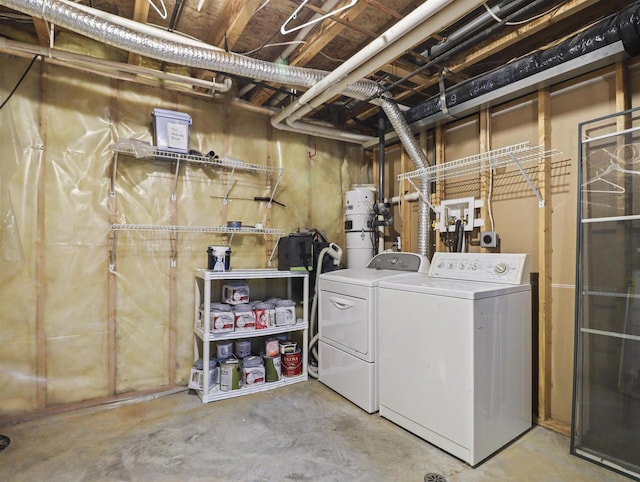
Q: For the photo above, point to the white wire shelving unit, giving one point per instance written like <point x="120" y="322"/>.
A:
<point x="514" y="155"/>
<point x="151" y="153"/>
<point x="147" y="152"/>
<point x="175" y="230"/>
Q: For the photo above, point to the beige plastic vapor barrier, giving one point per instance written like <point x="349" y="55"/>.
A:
<point x="71" y="330"/>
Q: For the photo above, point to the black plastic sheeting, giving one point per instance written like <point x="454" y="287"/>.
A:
<point x="623" y="26"/>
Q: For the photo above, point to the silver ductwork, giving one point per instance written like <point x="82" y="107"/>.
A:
<point x="146" y="43"/>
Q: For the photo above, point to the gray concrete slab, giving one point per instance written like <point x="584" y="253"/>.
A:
<point x="300" y="432"/>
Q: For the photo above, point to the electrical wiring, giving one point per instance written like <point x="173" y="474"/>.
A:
<point x="19" y="81"/>
<point x="329" y="57"/>
<point x="277" y="44"/>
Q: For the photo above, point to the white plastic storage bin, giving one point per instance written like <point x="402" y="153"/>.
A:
<point x="171" y="130"/>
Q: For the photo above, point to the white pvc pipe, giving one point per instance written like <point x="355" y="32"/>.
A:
<point x="87" y="63"/>
<point x="414" y="196"/>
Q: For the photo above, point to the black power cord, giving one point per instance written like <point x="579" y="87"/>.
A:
<point x="19" y="81"/>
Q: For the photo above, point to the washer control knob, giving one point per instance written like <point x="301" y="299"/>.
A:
<point x="474" y="267"/>
<point x="394" y="260"/>
<point x="461" y="266"/>
<point x="501" y="268"/>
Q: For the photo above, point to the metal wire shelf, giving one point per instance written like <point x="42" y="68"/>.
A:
<point x="147" y="152"/>
<point x="175" y="230"/>
<point x="218" y="161"/>
<point x="196" y="229"/>
<point x="502" y="157"/>
<point x="516" y="154"/>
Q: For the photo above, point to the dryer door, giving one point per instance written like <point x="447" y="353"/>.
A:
<point x="345" y="318"/>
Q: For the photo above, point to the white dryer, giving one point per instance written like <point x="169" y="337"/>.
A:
<point x="455" y="352"/>
<point x="347" y="325"/>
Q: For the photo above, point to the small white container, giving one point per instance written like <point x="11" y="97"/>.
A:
<point x="224" y="349"/>
<point x="285" y="313"/>
<point x="222" y="319"/>
<point x="253" y="372"/>
<point x="245" y="318"/>
<point x="265" y="315"/>
<point x="235" y="292"/>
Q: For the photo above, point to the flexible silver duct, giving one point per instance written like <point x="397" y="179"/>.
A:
<point x="145" y="43"/>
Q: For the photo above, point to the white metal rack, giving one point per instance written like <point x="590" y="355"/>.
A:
<point x="516" y="154"/>
<point x="202" y="304"/>
<point x="140" y="150"/>
<point x="174" y="230"/>
<point x="217" y="162"/>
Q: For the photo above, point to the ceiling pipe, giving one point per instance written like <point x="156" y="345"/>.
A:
<point x="613" y="38"/>
<point x="468" y="29"/>
<point x="456" y="43"/>
<point x="428" y="18"/>
<point x="103" y="66"/>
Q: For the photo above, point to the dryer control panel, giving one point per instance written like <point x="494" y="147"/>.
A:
<point x="400" y="261"/>
<point x="489" y="267"/>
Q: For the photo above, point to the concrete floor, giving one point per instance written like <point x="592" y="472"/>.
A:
<point x="301" y="432"/>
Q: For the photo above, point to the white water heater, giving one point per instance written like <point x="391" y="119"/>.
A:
<point x="358" y="225"/>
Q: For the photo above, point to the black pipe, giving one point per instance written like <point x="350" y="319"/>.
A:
<point x="623" y="26"/>
<point x="503" y="10"/>
<point x="177" y="10"/>
<point x="463" y="45"/>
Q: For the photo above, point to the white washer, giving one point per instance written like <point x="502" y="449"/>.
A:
<point x="346" y="325"/>
<point x="455" y="352"/>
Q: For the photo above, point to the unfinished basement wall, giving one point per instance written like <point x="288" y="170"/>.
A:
<point x="71" y="331"/>
<point x="514" y="205"/>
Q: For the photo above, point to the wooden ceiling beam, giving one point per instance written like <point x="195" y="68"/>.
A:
<point x="384" y="9"/>
<point x="234" y="17"/>
<point x="42" y="31"/>
<point x="346" y="23"/>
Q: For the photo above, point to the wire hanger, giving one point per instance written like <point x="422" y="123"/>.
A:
<point x="163" y="14"/>
<point x="284" y="31"/>
<point x="613" y="187"/>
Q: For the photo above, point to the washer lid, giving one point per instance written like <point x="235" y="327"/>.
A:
<point x="380" y="267"/>
<point x="360" y="276"/>
<point x="469" y="290"/>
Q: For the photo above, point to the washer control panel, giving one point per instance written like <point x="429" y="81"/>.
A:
<point x="489" y="267"/>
